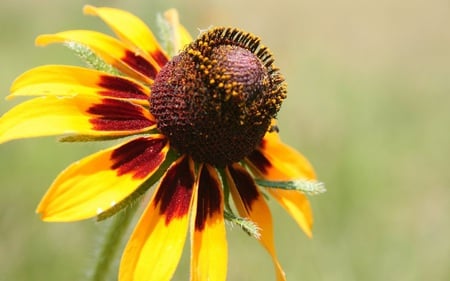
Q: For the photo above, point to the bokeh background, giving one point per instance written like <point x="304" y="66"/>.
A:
<point x="369" y="105"/>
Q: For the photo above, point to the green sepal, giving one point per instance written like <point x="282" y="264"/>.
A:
<point x="165" y="35"/>
<point x="245" y="224"/>
<point x="91" y="59"/>
<point x="306" y="186"/>
<point x="226" y="190"/>
<point x="86" y="138"/>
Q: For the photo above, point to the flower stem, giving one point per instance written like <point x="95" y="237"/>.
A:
<point x="112" y="242"/>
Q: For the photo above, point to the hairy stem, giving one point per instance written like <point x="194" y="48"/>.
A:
<point x="111" y="243"/>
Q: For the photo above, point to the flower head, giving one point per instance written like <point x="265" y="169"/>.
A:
<point x="216" y="99"/>
<point x="203" y="128"/>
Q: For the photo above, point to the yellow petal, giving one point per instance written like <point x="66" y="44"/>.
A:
<point x="251" y="204"/>
<point x="131" y="30"/>
<point x="209" y="243"/>
<point x="61" y="80"/>
<point x="46" y="116"/>
<point x="99" y="181"/>
<point x="185" y="36"/>
<point x="109" y="49"/>
<point x="155" y="247"/>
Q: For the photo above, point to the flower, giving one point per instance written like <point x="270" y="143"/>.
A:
<point x="202" y="124"/>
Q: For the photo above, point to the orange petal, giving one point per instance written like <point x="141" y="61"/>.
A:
<point x="251" y="204"/>
<point x="155" y="247"/>
<point x="278" y="161"/>
<point x="209" y="243"/>
<point x="131" y="30"/>
<point x="297" y="205"/>
<point x="99" y="181"/>
<point x="109" y="49"/>
<point x="82" y="115"/>
<point x="61" y="80"/>
<point x="274" y="160"/>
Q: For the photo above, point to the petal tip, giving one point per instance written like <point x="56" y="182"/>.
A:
<point x="89" y="10"/>
<point x="43" y="214"/>
<point x="43" y="211"/>
<point x="46" y="218"/>
<point x="307" y="229"/>
<point x="56" y="216"/>
<point x="41" y="40"/>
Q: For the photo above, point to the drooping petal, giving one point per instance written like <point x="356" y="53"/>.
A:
<point x="99" y="181"/>
<point x="298" y="207"/>
<point x="93" y="116"/>
<point x="109" y="49"/>
<point x="251" y="204"/>
<point x="155" y="247"/>
<point x="274" y="160"/>
<point x="131" y="30"/>
<point x="209" y="243"/>
<point x="62" y="80"/>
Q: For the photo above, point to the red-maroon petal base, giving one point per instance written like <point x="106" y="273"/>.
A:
<point x="174" y="194"/>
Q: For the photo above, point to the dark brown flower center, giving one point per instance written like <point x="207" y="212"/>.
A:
<point x="216" y="99"/>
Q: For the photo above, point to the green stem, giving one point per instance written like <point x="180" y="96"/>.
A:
<point x="112" y="243"/>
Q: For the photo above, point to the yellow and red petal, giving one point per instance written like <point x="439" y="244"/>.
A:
<point x="276" y="161"/>
<point x="251" y="204"/>
<point x="109" y="49"/>
<point x="208" y="239"/>
<point x="62" y="80"/>
<point x="99" y="181"/>
<point x="131" y="30"/>
<point x="155" y="247"/>
<point x="93" y="116"/>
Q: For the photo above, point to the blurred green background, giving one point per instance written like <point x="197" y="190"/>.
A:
<point x="369" y="99"/>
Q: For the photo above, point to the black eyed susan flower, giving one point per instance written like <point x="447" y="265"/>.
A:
<point x="201" y="125"/>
